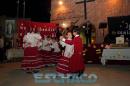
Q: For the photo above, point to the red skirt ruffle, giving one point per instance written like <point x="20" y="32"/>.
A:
<point x="63" y="65"/>
<point x="31" y="59"/>
<point x="76" y="63"/>
<point x="49" y="57"/>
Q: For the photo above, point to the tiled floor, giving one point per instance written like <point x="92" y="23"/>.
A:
<point x="110" y="75"/>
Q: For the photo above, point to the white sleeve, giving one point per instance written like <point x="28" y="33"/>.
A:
<point x="24" y="38"/>
<point x="63" y="44"/>
<point x="63" y="39"/>
<point x="69" y="51"/>
<point x="56" y="47"/>
<point x="39" y="40"/>
<point x="38" y="36"/>
<point x="52" y="46"/>
<point x="43" y="44"/>
<point x="25" y="41"/>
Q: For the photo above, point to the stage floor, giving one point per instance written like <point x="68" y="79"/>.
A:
<point x="110" y="75"/>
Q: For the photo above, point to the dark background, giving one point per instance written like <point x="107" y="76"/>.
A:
<point x="116" y="24"/>
<point x="119" y="24"/>
<point x="37" y="10"/>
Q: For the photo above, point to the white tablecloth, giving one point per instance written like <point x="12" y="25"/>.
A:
<point x="14" y="53"/>
<point x="115" y="54"/>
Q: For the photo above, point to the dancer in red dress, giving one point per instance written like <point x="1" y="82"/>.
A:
<point x="46" y="51"/>
<point x="56" y="52"/>
<point x="76" y="64"/>
<point x="31" y="61"/>
<point x="63" y="64"/>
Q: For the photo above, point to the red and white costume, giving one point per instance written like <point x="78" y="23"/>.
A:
<point x="63" y="64"/>
<point x="46" y="51"/>
<point x="31" y="58"/>
<point x="56" y="54"/>
<point x="55" y="46"/>
<point x="76" y="63"/>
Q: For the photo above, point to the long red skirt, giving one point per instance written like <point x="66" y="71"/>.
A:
<point x="31" y="59"/>
<point x="46" y="57"/>
<point x="55" y="57"/>
<point x="49" y="57"/>
<point x="76" y="63"/>
<point x="63" y="65"/>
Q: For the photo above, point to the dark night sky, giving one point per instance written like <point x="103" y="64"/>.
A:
<point x="37" y="10"/>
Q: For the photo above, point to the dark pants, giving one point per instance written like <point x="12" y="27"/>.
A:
<point x="88" y="39"/>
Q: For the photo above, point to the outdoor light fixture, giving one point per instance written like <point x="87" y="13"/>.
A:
<point x="60" y="2"/>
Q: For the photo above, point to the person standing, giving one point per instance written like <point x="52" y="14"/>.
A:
<point x="63" y="63"/>
<point x="56" y="52"/>
<point x="88" y="32"/>
<point x="76" y="64"/>
<point x="2" y="51"/>
<point x="55" y="45"/>
<point x="46" y="51"/>
<point x="57" y="31"/>
<point x="31" y="61"/>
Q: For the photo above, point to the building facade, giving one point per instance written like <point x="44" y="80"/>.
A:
<point x="98" y="11"/>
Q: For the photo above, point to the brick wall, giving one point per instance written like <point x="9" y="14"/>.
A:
<point x="97" y="12"/>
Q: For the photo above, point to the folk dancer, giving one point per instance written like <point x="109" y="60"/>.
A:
<point x="56" y="52"/>
<point x="31" y="61"/>
<point x="76" y="64"/>
<point x="63" y="64"/>
<point x="46" y="50"/>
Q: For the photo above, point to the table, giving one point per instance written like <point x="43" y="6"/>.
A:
<point x="115" y="54"/>
<point x="14" y="53"/>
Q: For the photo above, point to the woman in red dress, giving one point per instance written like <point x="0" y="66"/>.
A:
<point x="76" y="64"/>
<point x="31" y="61"/>
<point x="46" y="51"/>
<point x="63" y="64"/>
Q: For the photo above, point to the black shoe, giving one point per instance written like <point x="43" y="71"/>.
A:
<point x="35" y="71"/>
<point x="71" y="77"/>
<point x="80" y="73"/>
